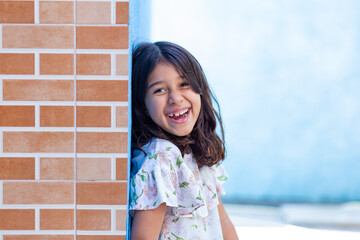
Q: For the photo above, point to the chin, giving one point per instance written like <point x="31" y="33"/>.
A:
<point x="181" y="134"/>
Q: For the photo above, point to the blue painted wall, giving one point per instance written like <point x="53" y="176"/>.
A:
<point x="140" y="21"/>
<point x="287" y="76"/>
<point x="139" y="30"/>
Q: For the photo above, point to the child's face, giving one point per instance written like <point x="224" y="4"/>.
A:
<point x="171" y="102"/>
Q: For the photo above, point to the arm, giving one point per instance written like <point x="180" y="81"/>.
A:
<point x="228" y="228"/>
<point x="147" y="224"/>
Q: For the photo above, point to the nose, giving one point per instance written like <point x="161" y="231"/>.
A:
<point x="175" y="97"/>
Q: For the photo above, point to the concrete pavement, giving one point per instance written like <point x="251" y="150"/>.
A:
<point x="296" y="221"/>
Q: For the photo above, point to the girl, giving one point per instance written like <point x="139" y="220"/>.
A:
<point x="176" y="173"/>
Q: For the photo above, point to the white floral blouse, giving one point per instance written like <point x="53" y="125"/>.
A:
<point x="190" y="193"/>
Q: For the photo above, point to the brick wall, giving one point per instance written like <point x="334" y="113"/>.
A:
<point x="63" y="119"/>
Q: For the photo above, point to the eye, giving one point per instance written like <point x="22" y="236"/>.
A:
<point x="184" y="84"/>
<point x="159" y="90"/>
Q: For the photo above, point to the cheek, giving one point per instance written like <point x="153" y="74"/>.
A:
<point x="197" y="104"/>
<point x="198" y="101"/>
<point x="153" y="107"/>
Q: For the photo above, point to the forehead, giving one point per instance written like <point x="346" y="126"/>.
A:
<point x="163" y="71"/>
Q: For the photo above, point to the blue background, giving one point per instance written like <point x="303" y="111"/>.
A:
<point x="287" y="76"/>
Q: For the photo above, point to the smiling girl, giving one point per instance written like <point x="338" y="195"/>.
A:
<point x="176" y="176"/>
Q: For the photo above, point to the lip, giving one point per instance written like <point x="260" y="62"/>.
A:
<point x="178" y="121"/>
<point x="177" y="111"/>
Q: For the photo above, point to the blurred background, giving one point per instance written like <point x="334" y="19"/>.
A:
<point x="287" y="77"/>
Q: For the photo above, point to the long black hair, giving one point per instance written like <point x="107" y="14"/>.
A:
<point x="207" y="147"/>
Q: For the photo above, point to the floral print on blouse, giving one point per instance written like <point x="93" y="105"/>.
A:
<point x="163" y="175"/>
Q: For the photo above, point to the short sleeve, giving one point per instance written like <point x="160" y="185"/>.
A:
<point x="167" y="177"/>
<point x="220" y="177"/>
<point x="155" y="181"/>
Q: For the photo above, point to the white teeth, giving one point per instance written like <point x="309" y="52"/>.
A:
<point x="178" y="114"/>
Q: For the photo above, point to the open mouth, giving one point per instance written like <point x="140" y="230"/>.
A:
<point x="180" y="115"/>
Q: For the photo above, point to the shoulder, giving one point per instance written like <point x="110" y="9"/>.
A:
<point x="160" y="145"/>
<point x="159" y="153"/>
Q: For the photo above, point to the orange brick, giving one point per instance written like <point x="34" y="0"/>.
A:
<point x="56" y="116"/>
<point x="98" y="237"/>
<point x="17" y="116"/>
<point x="100" y="90"/>
<point x="17" y="219"/>
<point x="56" y="64"/>
<point x="121" y="116"/>
<point x="121" y="220"/>
<point x="39" y="237"/>
<point x="38" y="192"/>
<point x="93" y="64"/>
<point x="93" y="169"/>
<point x="121" y="169"/>
<point x="93" y="12"/>
<point x="104" y="193"/>
<point x="54" y="142"/>
<point x="122" y="64"/>
<point x="56" y="168"/>
<point x="38" y="90"/>
<point x="122" y="13"/>
<point x="93" y="219"/>
<point x="17" y="63"/>
<point x="93" y="116"/>
<point x="56" y="12"/>
<point x="16" y="12"/>
<point x="101" y="142"/>
<point x="38" y="36"/>
<point x="56" y="219"/>
<point x="17" y="168"/>
<point x="102" y="37"/>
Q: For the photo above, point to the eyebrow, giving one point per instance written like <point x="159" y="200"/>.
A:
<point x="159" y="82"/>
<point x="155" y="83"/>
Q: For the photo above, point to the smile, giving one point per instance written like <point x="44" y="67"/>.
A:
<point x="179" y="116"/>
